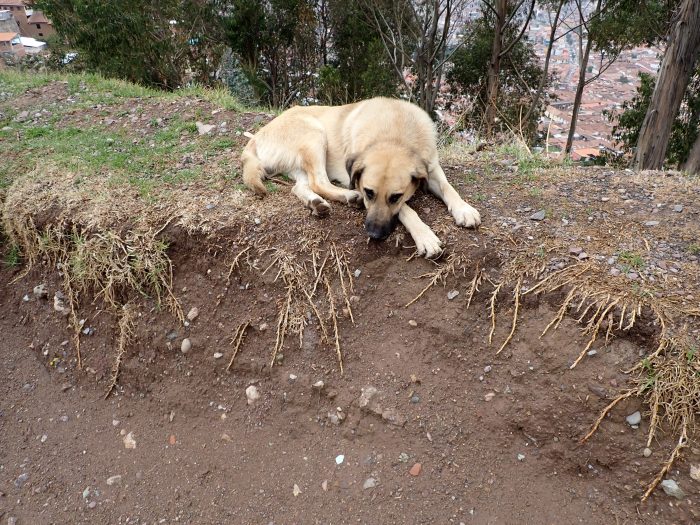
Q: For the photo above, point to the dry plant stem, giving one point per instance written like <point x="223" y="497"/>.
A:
<point x="605" y="413"/>
<point x="492" y="306"/>
<point x="126" y="331"/>
<point x="682" y="443"/>
<point x="334" y="317"/>
<point x="236" y="341"/>
<point x="74" y="322"/>
<point x="516" y="293"/>
<point x="654" y="416"/>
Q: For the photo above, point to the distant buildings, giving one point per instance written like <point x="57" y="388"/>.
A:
<point x="29" y="25"/>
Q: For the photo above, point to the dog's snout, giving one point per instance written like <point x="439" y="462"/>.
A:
<point x="377" y="230"/>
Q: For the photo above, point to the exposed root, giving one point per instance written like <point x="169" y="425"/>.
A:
<point x="236" y="341"/>
<point x="334" y="317"/>
<point x="605" y="412"/>
<point x="235" y="263"/>
<point x="474" y="285"/>
<point x="341" y="268"/>
<point x="301" y="285"/>
<point x="682" y="443"/>
<point x="126" y="332"/>
<point x="439" y="275"/>
<point x="492" y="307"/>
<point x="516" y="294"/>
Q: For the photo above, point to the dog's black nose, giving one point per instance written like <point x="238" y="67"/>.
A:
<point x="376" y="231"/>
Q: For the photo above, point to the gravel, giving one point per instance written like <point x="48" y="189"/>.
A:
<point x="635" y="418"/>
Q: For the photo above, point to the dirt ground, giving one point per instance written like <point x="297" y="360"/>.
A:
<point x="427" y="424"/>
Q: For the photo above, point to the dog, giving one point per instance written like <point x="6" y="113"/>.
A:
<point x="378" y="151"/>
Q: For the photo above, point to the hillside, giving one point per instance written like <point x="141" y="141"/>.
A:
<point x="380" y="395"/>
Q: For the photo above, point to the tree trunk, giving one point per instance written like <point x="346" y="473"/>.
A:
<point x="579" y="88"/>
<point x="548" y="55"/>
<point x="676" y="69"/>
<point x="578" y="97"/>
<point x="494" y="70"/>
<point x="692" y="165"/>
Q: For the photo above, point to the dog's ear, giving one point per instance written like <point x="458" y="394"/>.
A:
<point x="355" y="169"/>
<point x="420" y="174"/>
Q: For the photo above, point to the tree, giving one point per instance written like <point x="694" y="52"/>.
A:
<point x="517" y="75"/>
<point x="684" y="130"/>
<point x="504" y="14"/>
<point x="676" y="69"/>
<point x="162" y="44"/>
<point x="415" y="36"/>
<point x="355" y="63"/>
<point x="277" y="44"/>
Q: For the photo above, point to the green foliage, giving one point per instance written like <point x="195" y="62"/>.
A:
<point x="13" y="256"/>
<point x="629" y="121"/>
<point x="519" y="75"/>
<point x="163" y="44"/>
<point x="277" y="46"/>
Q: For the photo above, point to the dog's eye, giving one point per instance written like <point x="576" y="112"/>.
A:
<point x="396" y="197"/>
<point x="369" y="194"/>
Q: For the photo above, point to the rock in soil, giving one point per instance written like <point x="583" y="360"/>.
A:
<point x="186" y="346"/>
<point x="369" y="483"/>
<point x="672" y="489"/>
<point x="252" y="394"/>
<point x="634" y="419"/>
<point x="193" y="313"/>
<point x="415" y="470"/>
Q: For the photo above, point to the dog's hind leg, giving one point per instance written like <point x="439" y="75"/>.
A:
<point x="311" y="200"/>
<point x="313" y="162"/>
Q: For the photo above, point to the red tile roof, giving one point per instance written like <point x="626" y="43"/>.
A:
<point x="8" y="37"/>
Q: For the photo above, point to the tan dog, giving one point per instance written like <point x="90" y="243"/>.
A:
<point x="382" y="148"/>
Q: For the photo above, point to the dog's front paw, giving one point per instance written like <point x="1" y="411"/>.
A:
<point x="466" y="216"/>
<point x="428" y="244"/>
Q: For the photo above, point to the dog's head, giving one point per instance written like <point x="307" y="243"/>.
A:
<point x="386" y="175"/>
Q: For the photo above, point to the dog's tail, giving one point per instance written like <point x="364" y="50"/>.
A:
<point x="253" y="170"/>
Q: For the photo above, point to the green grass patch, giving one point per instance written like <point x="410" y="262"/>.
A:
<point x="631" y="260"/>
<point x="13" y="257"/>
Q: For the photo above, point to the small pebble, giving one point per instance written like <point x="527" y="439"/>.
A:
<point x="592" y="352"/>
<point x="357" y="273"/>
<point x="538" y="216"/>
<point x="651" y="223"/>
<point x="412" y="323"/>
<point x="489" y="396"/>
<point x="369" y="483"/>
<point x="262" y="327"/>
<point x="521" y="457"/>
<point x="415" y="469"/>
<point x="319" y="385"/>
<point x="339" y="459"/>
<point x="252" y="394"/>
<point x="678" y="208"/>
<point x="647" y="452"/>
<point x="186" y="346"/>
<point x="113" y="480"/>
<point x="634" y="419"/>
<point x="92" y="504"/>
<point x="218" y="355"/>
<point x="415" y="399"/>
<point x="193" y="313"/>
<point x="452" y="294"/>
